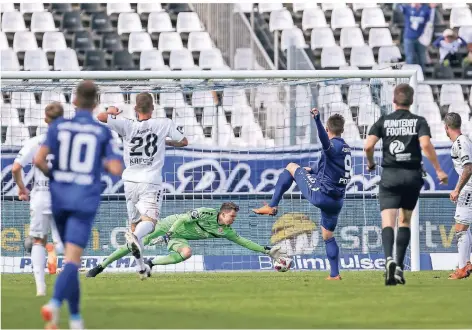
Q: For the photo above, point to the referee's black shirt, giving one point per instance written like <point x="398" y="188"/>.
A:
<point x="400" y="132"/>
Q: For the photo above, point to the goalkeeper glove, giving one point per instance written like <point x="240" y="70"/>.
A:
<point x="164" y="239"/>
<point x="273" y="252"/>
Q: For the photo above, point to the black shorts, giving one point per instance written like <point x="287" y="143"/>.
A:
<point x="399" y="188"/>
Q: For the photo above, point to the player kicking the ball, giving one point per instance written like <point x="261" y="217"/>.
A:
<point x="40" y="205"/>
<point x="461" y="153"/>
<point x="144" y="143"/>
<point x="324" y="187"/>
<point x="202" y="223"/>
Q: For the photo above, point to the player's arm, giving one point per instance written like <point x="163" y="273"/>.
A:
<point x="111" y="111"/>
<point x="25" y="156"/>
<point x="112" y="163"/>
<point x="177" y="139"/>
<point x="40" y="160"/>
<point x="322" y="134"/>
<point x="110" y="117"/>
<point x="424" y="135"/>
<point x="374" y="136"/>
<point x="248" y="244"/>
<point x="465" y="157"/>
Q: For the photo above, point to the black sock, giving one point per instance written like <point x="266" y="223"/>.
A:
<point x="403" y="240"/>
<point x="387" y="241"/>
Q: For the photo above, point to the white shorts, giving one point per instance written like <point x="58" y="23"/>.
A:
<point x="143" y="199"/>
<point x="463" y="214"/>
<point x="41" y="219"/>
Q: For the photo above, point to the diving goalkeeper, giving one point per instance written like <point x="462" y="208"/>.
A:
<point x="176" y="230"/>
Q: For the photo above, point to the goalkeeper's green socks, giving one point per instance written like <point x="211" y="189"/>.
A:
<point x="119" y="253"/>
<point x="172" y="258"/>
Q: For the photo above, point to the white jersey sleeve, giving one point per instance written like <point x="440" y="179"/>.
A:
<point x="121" y="126"/>
<point x="174" y="134"/>
<point x="26" y="154"/>
<point x="465" y="150"/>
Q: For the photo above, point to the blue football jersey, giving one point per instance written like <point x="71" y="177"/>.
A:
<point x="334" y="168"/>
<point x="79" y="147"/>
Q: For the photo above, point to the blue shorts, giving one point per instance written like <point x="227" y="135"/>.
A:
<point x="329" y="207"/>
<point x="74" y="226"/>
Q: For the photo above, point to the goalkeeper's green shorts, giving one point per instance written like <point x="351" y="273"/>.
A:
<point x="176" y="244"/>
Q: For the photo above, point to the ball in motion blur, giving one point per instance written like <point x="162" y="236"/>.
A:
<point x="283" y="264"/>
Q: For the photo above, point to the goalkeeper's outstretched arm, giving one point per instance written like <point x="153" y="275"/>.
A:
<point x="248" y="244"/>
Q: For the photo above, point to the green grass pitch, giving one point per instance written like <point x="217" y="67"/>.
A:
<point x="251" y="300"/>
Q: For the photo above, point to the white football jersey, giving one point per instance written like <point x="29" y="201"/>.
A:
<point x="40" y="192"/>
<point x="144" y="146"/>
<point x="461" y="154"/>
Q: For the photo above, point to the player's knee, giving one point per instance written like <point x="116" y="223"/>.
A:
<point x="327" y="234"/>
<point x="185" y="252"/>
<point x="460" y="235"/>
<point x="292" y="167"/>
<point x="39" y="241"/>
<point x="145" y="218"/>
<point x="133" y="226"/>
<point x="460" y="227"/>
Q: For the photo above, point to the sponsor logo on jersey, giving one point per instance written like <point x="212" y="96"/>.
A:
<point x="396" y="147"/>
<point x="194" y="214"/>
<point x="141" y="161"/>
<point x="400" y="127"/>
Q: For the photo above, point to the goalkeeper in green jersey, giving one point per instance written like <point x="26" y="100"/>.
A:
<point x="177" y="230"/>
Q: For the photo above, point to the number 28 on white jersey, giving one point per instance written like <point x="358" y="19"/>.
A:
<point x="144" y="146"/>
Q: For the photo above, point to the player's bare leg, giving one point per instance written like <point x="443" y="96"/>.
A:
<point x="38" y="254"/>
<point x="54" y="249"/>
<point x="332" y="251"/>
<point x="134" y="238"/>
<point x="388" y="236"/>
<point x="283" y="184"/>
<point x="463" y="248"/>
<point x="469" y="264"/>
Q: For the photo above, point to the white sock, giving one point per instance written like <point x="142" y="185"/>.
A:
<point x="463" y="247"/>
<point x="470" y="240"/>
<point x="142" y="229"/>
<point x="38" y="257"/>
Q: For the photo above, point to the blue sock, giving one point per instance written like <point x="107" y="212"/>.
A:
<point x="283" y="184"/>
<point x="332" y="251"/>
<point x="67" y="287"/>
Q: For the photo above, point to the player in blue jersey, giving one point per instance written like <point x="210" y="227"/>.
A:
<point x="80" y="149"/>
<point x="324" y="186"/>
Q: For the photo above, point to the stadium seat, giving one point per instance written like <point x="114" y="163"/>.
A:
<point x="23" y="41"/>
<point x="348" y="67"/>
<point x="380" y="37"/>
<point x="203" y="99"/>
<point x="461" y="108"/>
<point x="342" y="17"/>
<point x="351" y="37"/>
<point x="12" y="21"/>
<point x="351" y="131"/>
<point x="450" y="93"/>
<point x="386" y="93"/>
<point x="7" y="6"/>
<point x="111" y="99"/>
<point x="450" y="5"/>
<point x="95" y="60"/>
<point x="322" y="37"/>
<point x="159" y="22"/>
<point x="181" y="59"/>
<point x="332" y="57"/>
<point x="244" y="59"/>
<point x="16" y="135"/>
<point x="188" y="22"/>
<point x="122" y="60"/>
<point x="431" y="113"/>
<point x="36" y="60"/>
<point x="198" y="41"/>
<point x="139" y="41"/>
<point x="3" y="41"/>
<point x="9" y="60"/>
<point x="118" y="8"/>
<point x="59" y="8"/>
<point x="22" y="100"/>
<point x="151" y="59"/>
<point x="292" y="36"/>
<point x="8" y="115"/>
<point x="360" y="6"/>
<point x="359" y="94"/>
<point x="267" y="95"/>
<point x="53" y="41"/>
<point x="372" y="17"/>
<point x="328" y="95"/>
<point x="100" y="23"/>
<point x="211" y="58"/>
<point x="280" y="20"/>
<point x="234" y="96"/>
<point x="302" y="6"/>
<point x="169" y="41"/>
<point x="209" y="116"/>
<point x="313" y="18"/>
<point x="66" y="60"/>
<point x="465" y="32"/>
<point x="91" y="8"/>
<point x="83" y="41"/>
<point x="368" y="114"/>
<point x="417" y="68"/>
<point x="129" y="22"/>
<point x="72" y="22"/>
<point x="389" y="54"/>
<point x="42" y="22"/>
<point x="52" y="96"/>
<point x="148" y="7"/>
<point x="460" y="17"/>
<point x="330" y="6"/>
<point x="424" y="94"/>
<point x="32" y="7"/>
<point x="172" y="100"/>
<point x="269" y="7"/>
<point x="111" y="41"/>
<point x="362" y="56"/>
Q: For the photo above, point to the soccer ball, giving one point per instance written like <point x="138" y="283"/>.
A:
<point x="283" y="264"/>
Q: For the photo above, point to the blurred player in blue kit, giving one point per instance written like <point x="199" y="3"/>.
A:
<point x="324" y="186"/>
<point x="80" y="148"/>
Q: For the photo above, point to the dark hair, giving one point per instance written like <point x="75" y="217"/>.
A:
<point x="144" y="103"/>
<point x="229" y="206"/>
<point x="453" y="120"/>
<point x="403" y="95"/>
<point x="86" y="95"/>
<point x="54" y="110"/>
<point x="336" y="124"/>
